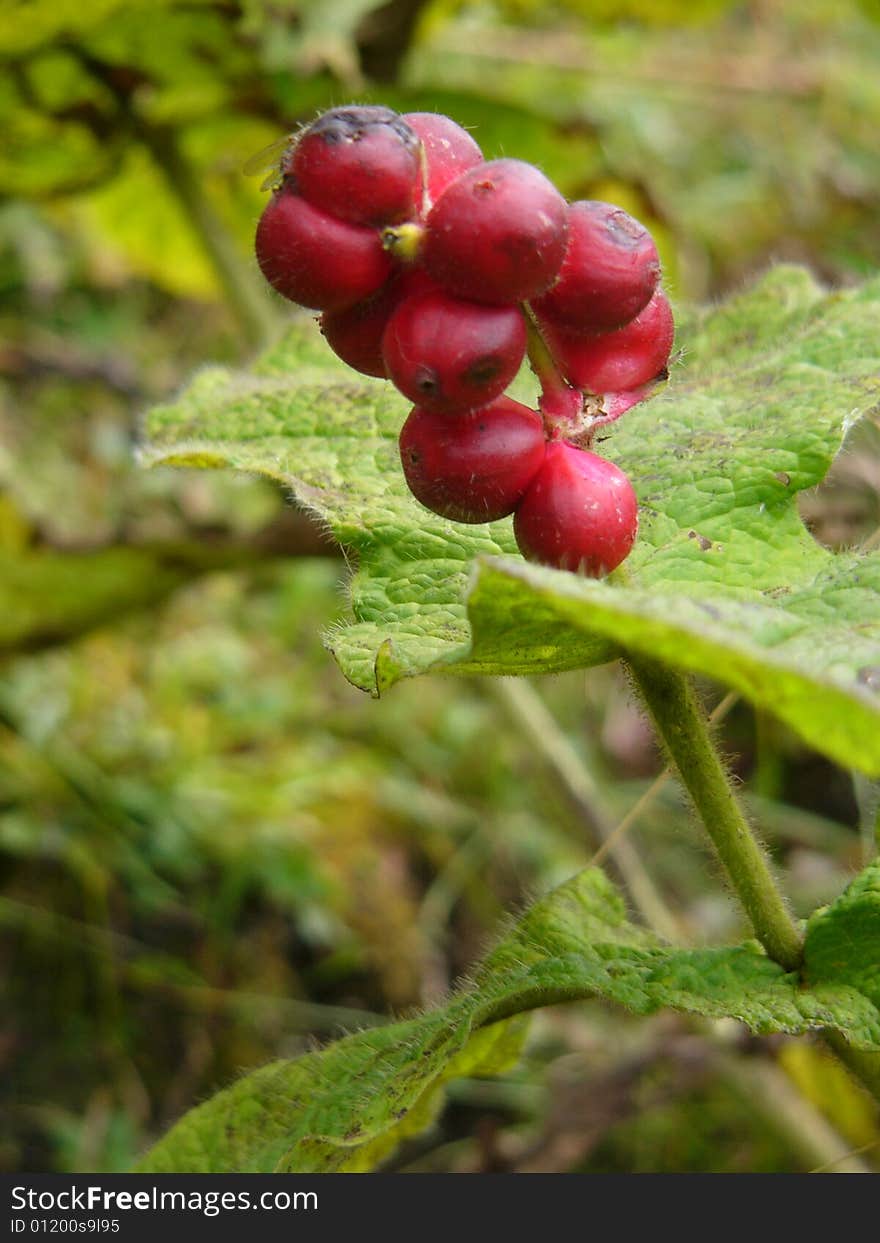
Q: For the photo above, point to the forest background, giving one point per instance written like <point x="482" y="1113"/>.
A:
<point x="213" y="850"/>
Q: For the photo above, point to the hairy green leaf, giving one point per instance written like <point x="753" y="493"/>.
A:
<point x="348" y="1106"/>
<point x="724" y="580"/>
<point x="843" y="939"/>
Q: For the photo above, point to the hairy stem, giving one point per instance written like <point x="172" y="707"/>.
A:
<point x="796" y="1117"/>
<point x="681" y="725"/>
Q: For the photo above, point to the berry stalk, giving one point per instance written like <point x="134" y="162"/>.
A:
<point x="404" y="241"/>
<point x="561" y="405"/>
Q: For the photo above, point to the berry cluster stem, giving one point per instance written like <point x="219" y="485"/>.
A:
<point x="404" y="241"/>
<point x="561" y="405"/>
<point x="681" y="724"/>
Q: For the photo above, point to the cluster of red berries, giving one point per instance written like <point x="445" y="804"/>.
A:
<point x="438" y="270"/>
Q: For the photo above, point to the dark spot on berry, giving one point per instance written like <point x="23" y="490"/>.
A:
<point x="624" y="231"/>
<point x="483" y="370"/>
<point x="784" y="477"/>
<point x="352" y="124"/>
<point x="426" y="381"/>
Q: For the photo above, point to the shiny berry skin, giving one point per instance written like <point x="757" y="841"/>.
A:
<point x="449" y="355"/>
<point x="497" y="234"/>
<point x="316" y="260"/>
<point x="580" y="513"/>
<point x="609" y="273"/>
<point x="362" y="165"/>
<point x="613" y="362"/>
<point x="355" y="333"/>
<point x="449" y="150"/>
<point x="472" y="467"/>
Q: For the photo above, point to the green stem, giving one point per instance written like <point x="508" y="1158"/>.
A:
<point x="561" y="405"/>
<point x="681" y="725"/>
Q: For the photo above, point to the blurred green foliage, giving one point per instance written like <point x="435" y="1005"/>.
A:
<point x="211" y="848"/>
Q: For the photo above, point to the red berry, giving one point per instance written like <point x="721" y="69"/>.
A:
<point x="580" y="513"/>
<point x="609" y="272"/>
<point x="315" y="259"/>
<point x="452" y="356"/>
<point x="355" y="333"/>
<point x="497" y="234"/>
<point x="362" y="165"/>
<point x="613" y="362"/>
<point x="449" y="150"/>
<point x="472" y="467"/>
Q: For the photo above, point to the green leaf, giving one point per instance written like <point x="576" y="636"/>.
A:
<point x="724" y="580"/>
<point x="843" y="940"/>
<point x="348" y="1106"/>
